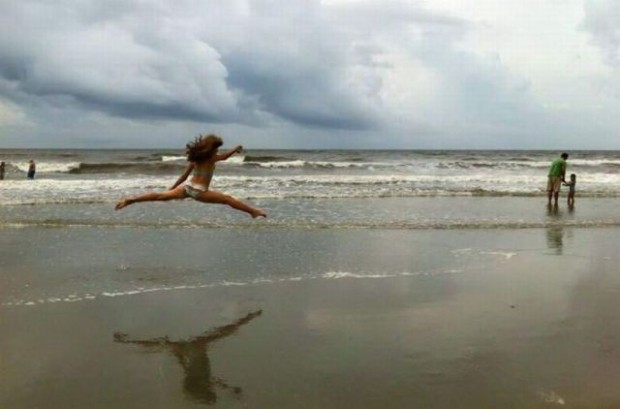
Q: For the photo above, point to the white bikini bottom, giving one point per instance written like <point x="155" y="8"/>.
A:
<point x="194" y="189"/>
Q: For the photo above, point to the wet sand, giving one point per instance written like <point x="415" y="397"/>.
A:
<point x="310" y="319"/>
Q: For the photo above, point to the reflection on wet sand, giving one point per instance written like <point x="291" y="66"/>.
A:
<point x="199" y="385"/>
<point x="555" y="230"/>
<point x="555" y="238"/>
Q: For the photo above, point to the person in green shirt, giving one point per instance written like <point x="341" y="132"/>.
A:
<point x="556" y="177"/>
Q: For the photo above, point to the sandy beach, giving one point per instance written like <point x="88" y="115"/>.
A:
<point x="308" y="318"/>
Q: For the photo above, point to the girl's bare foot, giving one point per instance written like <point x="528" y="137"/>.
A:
<point x="258" y="213"/>
<point x="121" y="204"/>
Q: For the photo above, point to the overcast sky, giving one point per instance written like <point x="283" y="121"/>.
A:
<point x="311" y="74"/>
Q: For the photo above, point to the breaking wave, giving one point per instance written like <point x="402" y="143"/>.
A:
<point x="127" y="167"/>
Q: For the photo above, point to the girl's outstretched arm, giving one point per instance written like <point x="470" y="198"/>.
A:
<point x="226" y="155"/>
<point x="184" y="176"/>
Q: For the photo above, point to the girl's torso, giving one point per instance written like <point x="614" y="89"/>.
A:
<point x="203" y="172"/>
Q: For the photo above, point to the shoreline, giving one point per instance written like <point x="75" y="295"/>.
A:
<point x="350" y="213"/>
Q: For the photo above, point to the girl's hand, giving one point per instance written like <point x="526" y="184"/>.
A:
<point x="238" y="149"/>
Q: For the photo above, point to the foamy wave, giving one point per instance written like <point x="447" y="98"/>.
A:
<point x="88" y="189"/>
<point x="233" y="160"/>
<point x="72" y="298"/>
<point x="524" y="165"/>
<point x="173" y="158"/>
<point x="322" y="164"/>
<point x="493" y="164"/>
<point x="506" y="255"/>
<point x="106" y="294"/>
<point x="552" y="397"/>
<point x="337" y="275"/>
<point x="49" y="167"/>
<point x="282" y="164"/>
<point x="69" y="186"/>
<point x="594" y="162"/>
<point x="238" y="160"/>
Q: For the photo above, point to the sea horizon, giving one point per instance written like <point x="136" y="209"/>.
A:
<point x="181" y="148"/>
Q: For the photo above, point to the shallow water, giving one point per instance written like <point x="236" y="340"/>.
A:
<point x="478" y="318"/>
<point x="368" y="213"/>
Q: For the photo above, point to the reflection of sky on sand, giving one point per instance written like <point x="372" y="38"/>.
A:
<point x="595" y="300"/>
<point x="198" y="384"/>
<point x="469" y="334"/>
<point x="580" y="351"/>
<point x="425" y="300"/>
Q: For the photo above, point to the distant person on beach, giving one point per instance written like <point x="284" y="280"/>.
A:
<point x="2" y="167"/>
<point x="571" y="189"/>
<point x="32" y="168"/>
<point x="202" y="155"/>
<point x="556" y="177"/>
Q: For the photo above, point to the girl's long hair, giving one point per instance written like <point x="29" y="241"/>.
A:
<point x="202" y="148"/>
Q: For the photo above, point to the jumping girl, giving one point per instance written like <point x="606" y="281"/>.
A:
<point x="202" y="155"/>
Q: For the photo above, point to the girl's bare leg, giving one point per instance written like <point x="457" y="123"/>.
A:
<point x="177" y="193"/>
<point x="212" y="196"/>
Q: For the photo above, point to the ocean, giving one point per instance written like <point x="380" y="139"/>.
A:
<point x="331" y="188"/>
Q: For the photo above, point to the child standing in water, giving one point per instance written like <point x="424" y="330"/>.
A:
<point x="571" y="189"/>
<point x="202" y="155"/>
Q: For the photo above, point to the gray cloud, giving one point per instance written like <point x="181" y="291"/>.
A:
<point x="365" y="73"/>
<point x="321" y="66"/>
<point x="226" y="62"/>
<point x="110" y="65"/>
<point x="164" y="61"/>
<point x="601" y="21"/>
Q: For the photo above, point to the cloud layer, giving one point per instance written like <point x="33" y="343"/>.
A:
<point x="276" y="69"/>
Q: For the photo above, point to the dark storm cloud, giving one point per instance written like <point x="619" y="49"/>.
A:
<point x="315" y="97"/>
<point x="106" y="62"/>
<point x="164" y="61"/>
<point x="226" y="62"/>
<point x="319" y="68"/>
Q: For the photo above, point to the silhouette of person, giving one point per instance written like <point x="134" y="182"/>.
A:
<point x="198" y="384"/>
<point x="32" y="168"/>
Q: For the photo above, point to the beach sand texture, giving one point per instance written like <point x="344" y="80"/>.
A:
<point x="309" y="318"/>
